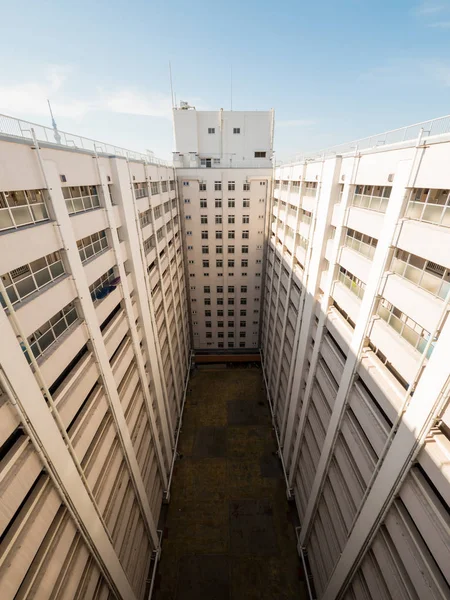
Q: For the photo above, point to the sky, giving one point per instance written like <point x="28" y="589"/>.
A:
<point x="333" y="71"/>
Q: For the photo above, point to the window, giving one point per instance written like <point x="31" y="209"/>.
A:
<point x="207" y="313"/>
<point x="242" y="333"/>
<point x="50" y="331"/>
<point x="219" y="289"/>
<point x="244" y="274"/>
<point x="243" y="289"/>
<point x="218" y="235"/>
<point x="204" y="235"/>
<point x="217" y="186"/>
<point x="244" y="249"/>
<point x="231" y="301"/>
<point x="92" y="245"/>
<point x="231" y="204"/>
<point x="22" y="208"/>
<point x="260" y="155"/>
<point x="205" y="249"/>
<point x="85" y="197"/>
<point x="243" y="313"/>
<point x="231" y="313"/>
<point x="218" y="203"/>
<point x="236" y="130"/>
<point x="204" y="219"/>
<point x="241" y="344"/>
<point x="231" y="219"/>
<point x="244" y="263"/>
<point x="230" y="249"/>
<point x="246" y="187"/>
<point x="218" y="219"/>
<point x="208" y="335"/>
<point x="230" y="263"/>
<point x="245" y="218"/>
<point x="211" y="130"/>
<point x="187" y="201"/>
<point x="205" y="274"/>
<point x="203" y="204"/>
<point x="246" y="203"/>
<point x="207" y="301"/>
<point x="219" y="249"/>
<point x="231" y="186"/>
<point x="190" y="247"/>
<point x="263" y="182"/>
<point x="219" y="263"/>
<point x="231" y="289"/>
<point x="230" y="274"/>
<point x="103" y="286"/>
<point x="205" y="263"/>
<point x="202" y="187"/>
<point x="220" y="301"/>
<point x="230" y="323"/>
<point x="245" y="234"/>
<point x="208" y="324"/>
<point x="185" y="183"/>
<point x="243" y="301"/>
<point x="220" y="324"/>
<point x="231" y="335"/>
<point x="231" y="235"/>
<point x="220" y="313"/>
<point x="23" y="281"/>
<point x="206" y="289"/>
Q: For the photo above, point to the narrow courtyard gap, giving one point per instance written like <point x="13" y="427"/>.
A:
<point x="229" y="530"/>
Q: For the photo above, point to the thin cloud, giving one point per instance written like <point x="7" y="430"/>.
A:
<point x="296" y="123"/>
<point x="440" y="25"/>
<point x="430" y="8"/>
<point x="30" y="98"/>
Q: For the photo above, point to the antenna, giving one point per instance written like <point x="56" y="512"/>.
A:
<point x="55" y="127"/>
<point x="231" y="87"/>
<point x="171" y="84"/>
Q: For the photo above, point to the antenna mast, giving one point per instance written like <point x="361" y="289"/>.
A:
<point x="171" y="84"/>
<point x="55" y="127"/>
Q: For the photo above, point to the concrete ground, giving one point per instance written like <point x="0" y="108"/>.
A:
<point x="228" y="532"/>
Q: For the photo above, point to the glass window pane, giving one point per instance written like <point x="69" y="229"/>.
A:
<point x="25" y="287"/>
<point x="71" y="316"/>
<point x="78" y="204"/>
<point x="46" y="339"/>
<point x="59" y="327"/>
<point x="5" y="219"/>
<point x="57" y="269"/>
<point x="12" y="295"/>
<point x="21" y="215"/>
<point x="43" y="277"/>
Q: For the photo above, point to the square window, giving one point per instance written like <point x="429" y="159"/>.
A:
<point x="230" y="249"/>
<point x="230" y="263"/>
<point x="218" y="235"/>
<point x="219" y="289"/>
<point x="203" y="203"/>
<point x="219" y="249"/>
<point x="236" y="130"/>
<point x="230" y="323"/>
<point x="243" y="289"/>
<point x="205" y="263"/>
<point x="231" y="186"/>
<point x="204" y="235"/>
<point x="244" y="249"/>
<point x="202" y="187"/>
<point x="206" y="289"/>
<point x="243" y="313"/>
<point x="204" y="219"/>
<point x="220" y="313"/>
<point x="231" y="289"/>
<point x="219" y="263"/>
<point x="246" y="187"/>
<point x="205" y="249"/>
<point x="230" y="219"/>
<point x="212" y="130"/>
<point x="218" y="203"/>
<point x="217" y="186"/>
<point x="260" y="155"/>
<point x="241" y="344"/>
<point x="244" y="262"/>
<point x="218" y="219"/>
<point x="231" y="204"/>
<point x="245" y="218"/>
<point x="231" y="235"/>
<point x="208" y="334"/>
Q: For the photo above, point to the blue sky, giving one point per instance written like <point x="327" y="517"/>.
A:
<point x="333" y="70"/>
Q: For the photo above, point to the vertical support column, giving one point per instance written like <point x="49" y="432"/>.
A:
<point x="426" y="406"/>
<point x="131" y="321"/>
<point x="325" y="302"/>
<point x="328" y="181"/>
<point x="393" y="214"/>
<point x="24" y="393"/>
<point x="59" y="210"/>
<point x="130" y="220"/>
<point x="166" y="316"/>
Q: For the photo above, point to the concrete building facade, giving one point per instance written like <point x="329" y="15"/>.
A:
<point x="94" y="358"/>
<point x="355" y="347"/>
<point x="224" y="169"/>
<point x="114" y="266"/>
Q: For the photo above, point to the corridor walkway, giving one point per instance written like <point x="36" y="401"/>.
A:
<point x="228" y="532"/>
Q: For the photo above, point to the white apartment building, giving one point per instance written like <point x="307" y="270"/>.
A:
<point x="94" y="357"/>
<point x="224" y="169"/>
<point x="356" y="346"/>
<point x="336" y="266"/>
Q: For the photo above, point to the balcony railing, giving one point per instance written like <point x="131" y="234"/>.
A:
<point x="431" y="213"/>
<point x="353" y="286"/>
<point x="18" y="128"/>
<point x="375" y="203"/>
<point x="427" y="281"/>
<point x="416" y="336"/>
<point x="361" y="247"/>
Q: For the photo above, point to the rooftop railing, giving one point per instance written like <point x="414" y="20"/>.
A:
<point x="19" y="128"/>
<point x="438" y="126"/>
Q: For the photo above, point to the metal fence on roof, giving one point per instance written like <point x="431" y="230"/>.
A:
<point x="438" y="126"/>
<point x="22" y="129"/>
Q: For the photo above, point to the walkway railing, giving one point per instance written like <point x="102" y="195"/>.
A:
<point x="437" y="126"/>
<point x="22" y="129"/>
